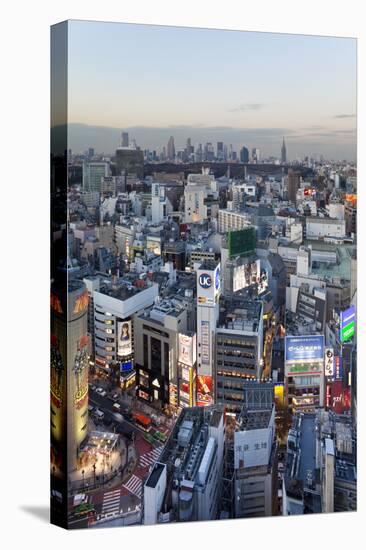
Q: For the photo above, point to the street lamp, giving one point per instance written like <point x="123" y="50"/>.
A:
<point x="94" y="468"/>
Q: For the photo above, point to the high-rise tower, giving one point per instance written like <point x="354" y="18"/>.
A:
<point x="171" y="149"/>
<point x="283" y="151"/>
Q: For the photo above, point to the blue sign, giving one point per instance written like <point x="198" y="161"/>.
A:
<point x="128" y="365"/>
<point x="304" y="348"/>
<point x="205" y="280"/>
<point x="348" y="324"/>
<point x="217" y="279"/>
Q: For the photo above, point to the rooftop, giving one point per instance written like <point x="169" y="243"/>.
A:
<point x="155" y="474"/>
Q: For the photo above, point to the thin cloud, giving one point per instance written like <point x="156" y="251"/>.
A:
<point x="344" y="116"/>
<point x="243" y="107"/>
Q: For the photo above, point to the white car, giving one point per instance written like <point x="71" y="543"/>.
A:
<point x="103" y="393"/>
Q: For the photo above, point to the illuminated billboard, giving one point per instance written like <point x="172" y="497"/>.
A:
<point x="246" y="275"/>
<point x="187" y="349"/>
<point x="204" y="390"/>
<point x="348" y="324"/>
<point x="124" y="346"/>
<point x="304" y="355"/>
<point x="338" y="368"/>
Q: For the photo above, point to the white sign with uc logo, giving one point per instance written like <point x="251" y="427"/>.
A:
<point x="205" y="280"/>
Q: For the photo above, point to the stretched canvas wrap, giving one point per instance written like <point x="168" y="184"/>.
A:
<point x="203" y="292"/>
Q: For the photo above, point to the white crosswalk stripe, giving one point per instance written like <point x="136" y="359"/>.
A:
<point x="111" y="502"/>
<point x="134" y="485"/>
<point x="150" y="457"/>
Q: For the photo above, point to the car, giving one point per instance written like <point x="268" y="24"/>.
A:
<point x="90" y="408"/>
<point x="115" y="397"/>
<point x="103" y="393"/>
<point x="117" y="416"/>
<point x="98" y="414"/>
<point x="100" y="390"/>
<point x="93" y="387"/>
<point x="117" y="407"/>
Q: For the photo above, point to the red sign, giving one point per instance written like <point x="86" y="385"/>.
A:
<point x="55" y="303"/>
<point x="340" y="398"/>
<point x="204" y="390"/>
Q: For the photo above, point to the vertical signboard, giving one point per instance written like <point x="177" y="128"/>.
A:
<point x="338" y="368"/>
<point x="124" y="346"/>
<point x="348" y="324"/>
<point x="205" y="343"/>
<point x="187" y="349"/>
<point x="329" y="362"/>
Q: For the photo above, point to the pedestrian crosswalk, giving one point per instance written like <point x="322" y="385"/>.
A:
<point x="150" y="457"/>
<point x="111" y="502"/>
<point x="134" y="486"/>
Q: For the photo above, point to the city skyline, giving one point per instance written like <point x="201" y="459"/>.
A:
<point x="270" y="86"/>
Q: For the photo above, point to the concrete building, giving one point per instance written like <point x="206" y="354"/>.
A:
<point x="158" y="203"/>
<point x="185" y="484"/>
<point x="320" y="472"/>
<point x="156" y="352"/>
<point x="239" y="349"/>
<point x="115" y="303"/>
<point x="200" y="198"/>
<point x="293" y="184"/>
<point x="319" y="228"/>
<point x="255" y="464"/>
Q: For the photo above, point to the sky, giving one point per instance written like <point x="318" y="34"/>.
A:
<point x="239" y="87"/>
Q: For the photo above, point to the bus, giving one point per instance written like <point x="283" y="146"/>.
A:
<point x="160" y="436"/>
<point x="142" y="420"/>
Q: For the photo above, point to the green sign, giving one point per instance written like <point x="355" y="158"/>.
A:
<point x="242" y="242"/>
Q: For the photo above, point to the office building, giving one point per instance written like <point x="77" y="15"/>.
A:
<point x="208" y="294"/>
<point x="156" y="352"/>
<point x="115" y="304"/>
<point x="239" y="349"/>
<point x="293" y="184"/>
<point x="244" y="154"/>
<point x="93" y="174"/>
<point x="171" y="149"/>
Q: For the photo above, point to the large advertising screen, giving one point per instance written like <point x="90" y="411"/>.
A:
<point x="124" y="346"/>
<point x="348" y="324"/>
<point x="187" y="349"/>
<point x="204" y="390"/>
<point x="246" y="275"/>
<point x="304" y="355"/>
